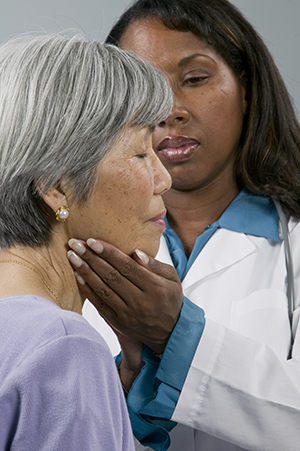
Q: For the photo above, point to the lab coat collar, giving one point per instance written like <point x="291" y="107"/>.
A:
<point x="252" y="215"/>
<point x="248" y="214"/>
<point x="227" y="247"/>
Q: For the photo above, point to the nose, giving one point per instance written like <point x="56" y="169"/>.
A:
<point x="162" y="179"/>
<point x="178" y="115"/>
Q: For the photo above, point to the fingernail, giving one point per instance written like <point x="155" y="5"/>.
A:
<point x="77" y="246"/>
<point x="142" y="256"/>
<point x="79" y="278"/>
<point x="74" y="259"/>
<point x="95" y="245"/>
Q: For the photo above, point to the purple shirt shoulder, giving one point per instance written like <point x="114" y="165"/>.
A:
<point x="59" y="388"/>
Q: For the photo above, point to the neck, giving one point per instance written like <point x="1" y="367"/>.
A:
<point x="43" y="271"/>
<point x="190" y="212"/>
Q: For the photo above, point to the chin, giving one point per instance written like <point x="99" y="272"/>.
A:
<point x="151" y="248"/>
<point x="148" y="242"/>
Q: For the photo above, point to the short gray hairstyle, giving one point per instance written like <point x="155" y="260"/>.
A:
<point x="64" y="102"/>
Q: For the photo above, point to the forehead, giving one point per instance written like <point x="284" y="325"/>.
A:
<point x="159" y="45"/>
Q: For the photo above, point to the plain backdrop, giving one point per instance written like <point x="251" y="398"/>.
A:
<point x="278" y="22"/>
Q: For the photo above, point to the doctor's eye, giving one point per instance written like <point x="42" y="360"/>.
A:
<point x="194" y="81"/>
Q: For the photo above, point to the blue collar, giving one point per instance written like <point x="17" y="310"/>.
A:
<point x="247" y="213"/>
<point x="252" y="215"/>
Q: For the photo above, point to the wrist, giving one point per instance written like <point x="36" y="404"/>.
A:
<point x="128" y="375"/>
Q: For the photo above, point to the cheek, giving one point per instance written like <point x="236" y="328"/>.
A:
<point x="232" y="101"/>
<point x="129" y="193"/>
<point x="225" y="117"/>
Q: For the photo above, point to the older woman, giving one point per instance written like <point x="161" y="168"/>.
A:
<point x="232" y="147"/>
<point x="75" y="160"/>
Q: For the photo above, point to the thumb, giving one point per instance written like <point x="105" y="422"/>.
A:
<point x="155" y="266"/>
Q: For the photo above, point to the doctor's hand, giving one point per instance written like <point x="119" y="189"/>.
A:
<point x="138" y="296"/>
<point x="131" y="363"/>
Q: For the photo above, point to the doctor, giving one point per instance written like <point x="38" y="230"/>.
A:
<point x="214" y="373"/>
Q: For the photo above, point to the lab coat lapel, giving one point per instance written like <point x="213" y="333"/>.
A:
<point x="163" y="254"/>
<point x="224" y="249"/>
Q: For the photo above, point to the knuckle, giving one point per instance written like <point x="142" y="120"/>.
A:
<point x="100" y="305"/>
<point x="113" y="277"/>
<point x="103" y="293"/>
<point x="128" y="268"/>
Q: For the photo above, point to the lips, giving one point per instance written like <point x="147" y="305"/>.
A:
<point x="159" y="219"/>
<point x="177" y="148"/>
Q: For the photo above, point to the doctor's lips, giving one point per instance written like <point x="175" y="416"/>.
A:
<point x="177" y="148"/>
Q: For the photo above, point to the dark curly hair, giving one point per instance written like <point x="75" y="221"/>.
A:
<point x="268" y="159"/>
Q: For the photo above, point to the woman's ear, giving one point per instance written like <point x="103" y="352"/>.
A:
<point x="54" y="198"/>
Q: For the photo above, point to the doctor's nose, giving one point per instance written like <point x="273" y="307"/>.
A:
<point x="178" y="115"/>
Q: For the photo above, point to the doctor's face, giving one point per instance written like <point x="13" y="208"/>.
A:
<point x="199" y="140"/>
<point x="126" y="207"/>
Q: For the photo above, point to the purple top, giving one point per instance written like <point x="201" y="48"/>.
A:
<point x="59" y="388"/>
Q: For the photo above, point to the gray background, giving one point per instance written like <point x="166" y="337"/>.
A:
<point x="278" y="21"/>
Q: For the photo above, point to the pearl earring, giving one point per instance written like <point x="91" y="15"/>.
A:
<point x="62" y="213"/>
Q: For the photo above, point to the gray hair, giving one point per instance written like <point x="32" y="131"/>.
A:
<point x="64" y="102"/>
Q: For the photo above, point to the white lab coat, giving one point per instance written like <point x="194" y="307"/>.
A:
<point x="241" y="388"/>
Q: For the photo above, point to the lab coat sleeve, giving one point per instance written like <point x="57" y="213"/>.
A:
<point x="154" y="394"/>
<point x="239" y="390"/>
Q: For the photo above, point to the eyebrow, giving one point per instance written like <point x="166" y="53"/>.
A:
<point x="189" y="58"/>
